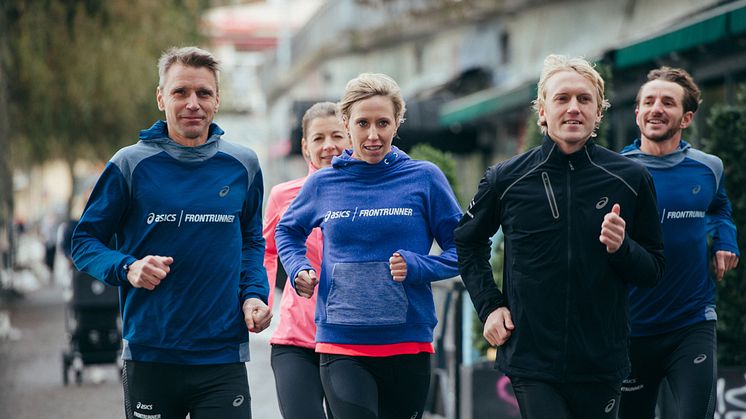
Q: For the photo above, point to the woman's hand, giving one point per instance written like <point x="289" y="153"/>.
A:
<point x="305" y="282"/>
<point x="398" y="267"/>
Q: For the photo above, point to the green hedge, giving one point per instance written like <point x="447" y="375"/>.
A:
<point x="443" y="160"/>
<point x="727" y="124"/>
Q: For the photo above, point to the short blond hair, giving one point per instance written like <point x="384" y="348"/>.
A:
<point x="554" y="64"/>
<point x="367" y="85"/>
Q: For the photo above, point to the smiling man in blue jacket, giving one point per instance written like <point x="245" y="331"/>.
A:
<point x="673" y="324"/>
<point x="183" y="209"/>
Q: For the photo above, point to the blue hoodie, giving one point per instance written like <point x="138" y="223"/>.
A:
<point x="366" y="213"/>
<point x="201" y="206"/>
<point x="691" y="203"/>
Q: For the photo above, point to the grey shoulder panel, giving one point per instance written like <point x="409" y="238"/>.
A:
<point x="127" y="158"/>
<point x="712" y="162"/>
<point x="245" y="155"/>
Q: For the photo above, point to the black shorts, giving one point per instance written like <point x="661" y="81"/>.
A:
<point x="169" y="391"/>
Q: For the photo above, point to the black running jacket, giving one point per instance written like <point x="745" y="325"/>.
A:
<point x="566" y="294"/>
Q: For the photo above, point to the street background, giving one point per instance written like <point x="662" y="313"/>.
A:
<point x="77" y="81"/>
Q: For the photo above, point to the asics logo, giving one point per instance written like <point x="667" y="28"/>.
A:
<point x="238" y="401"/>
<point x="700" y="359"/>
<point x="610" y="406"/>
<point x="160" y="218"/>
<point x="224" y="191"/>
<point x="696" y="189"/>
<point x="602" y="202"/>
<point x="144" y="406"/>
<point x="331" y="215"/>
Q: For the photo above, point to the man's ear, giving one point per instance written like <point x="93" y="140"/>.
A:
<point x="542" y="116"/>
<point x="159" y="98"/>
<point x="687" y="119"/>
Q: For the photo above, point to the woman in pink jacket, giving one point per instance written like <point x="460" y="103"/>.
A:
<point x="294" y="360"/>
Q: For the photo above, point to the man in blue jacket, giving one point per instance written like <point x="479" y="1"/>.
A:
<point x="673" y="324"/>
<point x="183" y="209"/>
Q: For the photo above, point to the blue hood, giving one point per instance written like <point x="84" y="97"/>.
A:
<point x="158" y="134"/>
<point x="345" y="161"/>
<point x="656" y="162"/>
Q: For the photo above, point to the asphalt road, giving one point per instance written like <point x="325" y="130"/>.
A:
<point x="31" y="367"/>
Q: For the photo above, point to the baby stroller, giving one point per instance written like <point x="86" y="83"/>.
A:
<point x="92" y="325"/>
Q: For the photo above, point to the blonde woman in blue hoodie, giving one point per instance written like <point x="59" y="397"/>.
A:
<point x="379" y="212"/>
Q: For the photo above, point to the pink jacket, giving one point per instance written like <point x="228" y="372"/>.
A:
<point x="296" y="326"/>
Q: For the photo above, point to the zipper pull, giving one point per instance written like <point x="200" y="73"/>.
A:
<point x="571" y="166"/>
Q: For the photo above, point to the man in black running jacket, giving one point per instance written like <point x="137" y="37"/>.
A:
<point x="580" y="223"/>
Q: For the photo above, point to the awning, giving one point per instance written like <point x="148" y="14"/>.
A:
<point x="737" y="20"/>
<point x="706" y="31"/>
<point x="486" y="102"/>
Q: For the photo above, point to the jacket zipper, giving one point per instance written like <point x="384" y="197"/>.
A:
<point x="569" y="264"/>
<point x="550" y="195"/>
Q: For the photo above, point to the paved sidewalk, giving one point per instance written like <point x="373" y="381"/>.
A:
<point x="31" y="364"/>
<point x="261" y="379"/>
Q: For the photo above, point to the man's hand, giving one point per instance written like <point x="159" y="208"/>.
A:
<point x="149" y="271"/>
<point x="498" y="327"/>
<point x="398" y="267"/>
<point x="305" y="282"/>
<point x="722" y="262"/>
<point x="612" y="230"/>
<point x="256" y="314"/>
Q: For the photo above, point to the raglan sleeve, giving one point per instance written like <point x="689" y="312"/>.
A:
<point x="103" y="214"/>
<point x="253" y="283"/>
<point x="443" y="214"/>
<point x="472" y="237"/>
<point x="640" y="260"/>
<point x="720" y="223"/>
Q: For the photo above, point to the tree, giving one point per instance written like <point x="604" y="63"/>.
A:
<point x="6" y="184"/>
<point x="727" y="140"/>
<point x="443" y="160"/>
<point x="82" y="73"/>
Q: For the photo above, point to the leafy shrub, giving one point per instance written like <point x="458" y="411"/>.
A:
<point x="727" y="124"/>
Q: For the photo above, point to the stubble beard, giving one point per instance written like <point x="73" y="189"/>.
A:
<point x="666" y="135"/>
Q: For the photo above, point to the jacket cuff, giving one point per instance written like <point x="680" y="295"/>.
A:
<point x="124" y="268"/>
